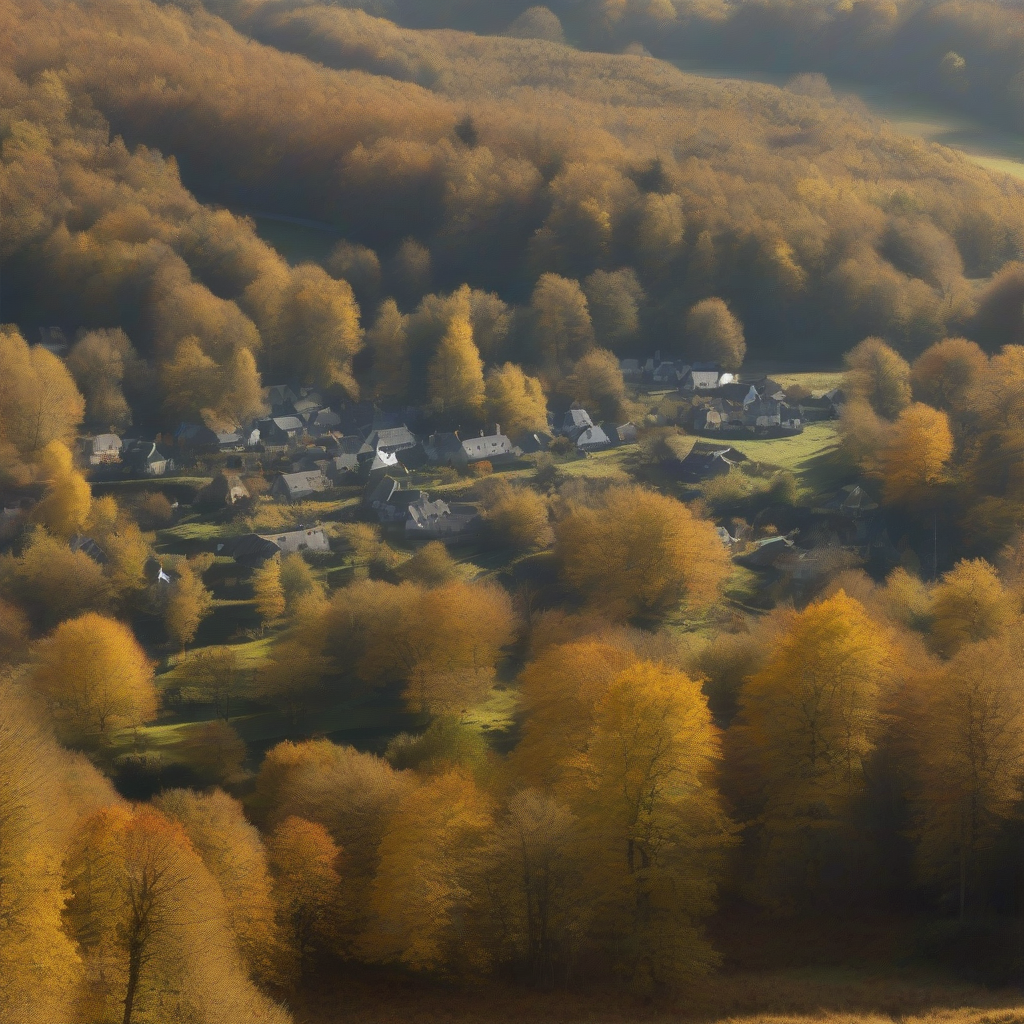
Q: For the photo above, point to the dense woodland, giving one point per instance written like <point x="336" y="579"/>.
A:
<point x="513" y="216"/>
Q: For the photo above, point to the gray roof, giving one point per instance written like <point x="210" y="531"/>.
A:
<point x="287" y="423"/>
<point x="487" y="446"/>
<point x="591" y="437"/>
<point x="307" y="480"/>
<point x="392" y="437"/>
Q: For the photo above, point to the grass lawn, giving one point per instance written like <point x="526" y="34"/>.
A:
<point x="810" y="456"/>
<point x="608" y="465"/>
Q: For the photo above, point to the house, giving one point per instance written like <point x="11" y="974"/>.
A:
<point x="702" y="377"/>
<point x="195" y="435"/>
<point x="765" y="553"/>
<point x="322" y="421"/>
<point x="104" y="448"/>
<point x="144" y="458"/>
<point x="530" y="444"/>
<point x="702" y="464"/>
<point x="379" y="492"/>
<point x="88" y="547"/>
<point x="851" y="500"/>
<point x="575" y="422"/>
<point x="626" y="433"/>
<point x="431" y="520"/>
<point x="312" y="539"/>
<point x="342" y="467"/>
<point x="224" y="489"/>
<point x="593" y="439"/>
<point x="494" y="447"/>
<point x="445" y="450"/>
<point x="631" y="369"/>
<point x="250" y="550"/>
<point x="294" y="486"/>
<point x="391" y="439"/>
<point x="382" y="463"/>
<point x="670" y="373"/>
<point x="281" y="399"/>
<point x="280" y="430"/>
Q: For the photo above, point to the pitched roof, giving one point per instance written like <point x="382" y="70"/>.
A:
<point x="487" y="446"/>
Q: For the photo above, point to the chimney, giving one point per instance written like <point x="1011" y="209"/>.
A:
<point x="497" y="428"/>
<point x="481" y="433"/>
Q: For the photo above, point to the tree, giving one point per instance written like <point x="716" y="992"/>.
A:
<point x="808" y="723"/>
<point x="560" y="323"/>
<point x="410" y="271"/>
<point x="614" y="299"/>
<point x="879" y="375"/>
<point x="426" y="895"/>
<point x="945" y="375"/>
<point x="187" y="605"/>
<point x="431" y="566"/>
<point x="307" y="887"/>
<point x="14" y="630"/>
<point x="970" y="747"/>
<point x="558" y="692"/>
<point x="50" y="582"/>
<point x="969" y="605"/>
<point x="215" y="752"/>
<point x="266" y="585"/>
<point x="39" y="402"/>
<point x="210" y="675"/>
<point x="297" y="580"/>
<point x="640" y="554"/>
<point x="515" y="401"/>
<point x="388" y="343"/>
<point x="714" y="334"/>
<point x="233" y="852"/>
<point x="517" y="516"/>
<point x="455" y="377"/>
<point x="94" y="678"/>
<point x="652" y="822"/>
<point x="597" y="384"/>
<point x="359" y="266"/>
<point x="130" y="875"/>
<point x="99" y="362"/>
<point x="40" y="968"/>
<point x="912" y="456"/>
<point x="65" y="505"/>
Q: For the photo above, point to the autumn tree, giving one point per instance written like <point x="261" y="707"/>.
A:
<point x="210" y="675"/>
<point x="359" y="266"/>
<point x="516" y="516"/>
<point x="970" y="604"/>
<point x="514" y="401"/>
<point x="64" y="507"/>
<point x="808" y="723"/>
<point x="639" y="554"/>
<point x="40" y="968"/>
<point x="267" y="589"/>
<point x="597" y="384"/>
<point x="652" y="822"/>
<point x="388" y="344"/>
<point x="945" y="375"/>
<point x="100" y="361"/>
<point x="188" y="603"/>
<point x="94" y="678"/>
<point x="307" y="887"/>
<point x="426" y="894"/>
<point x="880" y="376"/>
<point x="912" y="455"/>
<point x="214" y="752"/>
<point x="431" y="566"/>
<point x="614" y="299"/>
<point x="297" y="580"/>
<point x="39" y="402"/>
<point x="50" y="582"/>
<point x="455" y="377"/>
<point x="970" y="747"/>
<point x="714" y="334"/>
<point x="560" y="323"/>
<point x="233" y="852"/>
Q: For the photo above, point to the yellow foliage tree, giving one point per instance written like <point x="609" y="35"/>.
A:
<point x="388" y="343"/>
<point x="596" y="382"/>
<point x="640" y="554"/>
<point x="455" y="377"/>
<point x="560" y="322"/>
<point x="187" y="605"/>
<point x="307" y="887"/>
<point x="234" y="854"/>
<point x="64" y="507"/>
<point x="266" y="585"/>
<point x="807" y="725"/>
<point x="94" y="677"/>
<point x="426" y="897"/>
<point x="652" y="822"/>
<point x="878" y="375"/>
<point x="970" y="745"/>
<point x="516" y="516"/>
<point x="515" y="401"/>
<point x="912" y="456"/>
<point x="714" y="333"/>
<point x="969" y="604"/>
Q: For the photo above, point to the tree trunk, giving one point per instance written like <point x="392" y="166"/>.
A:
<point x="134" y="968"/>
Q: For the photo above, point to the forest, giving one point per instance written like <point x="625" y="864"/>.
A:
<point x="741" y="742"/>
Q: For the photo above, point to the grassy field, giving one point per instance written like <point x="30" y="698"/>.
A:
<point x="810" y="456"/>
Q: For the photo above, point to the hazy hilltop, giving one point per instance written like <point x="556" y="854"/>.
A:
<point x="507" y="158"/>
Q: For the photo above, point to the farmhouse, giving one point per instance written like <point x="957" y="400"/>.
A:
<point x="293" y="486"/>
